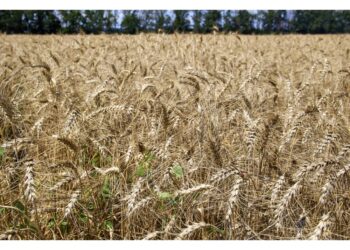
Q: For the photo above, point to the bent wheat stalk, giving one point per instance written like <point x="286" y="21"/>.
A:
<point x="320" y="228"/>
<point x="234" y="197"/>
<point x="188" y="230"/>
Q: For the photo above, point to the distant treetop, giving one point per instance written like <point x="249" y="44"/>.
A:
<point x="196" y="21"/>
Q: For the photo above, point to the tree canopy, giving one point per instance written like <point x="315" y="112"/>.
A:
<point x="197" y="21"/>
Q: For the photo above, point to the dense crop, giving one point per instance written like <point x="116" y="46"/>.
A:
<point x="174" y="137"/>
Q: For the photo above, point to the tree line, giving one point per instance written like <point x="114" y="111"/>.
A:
<point x="196" y="21"/>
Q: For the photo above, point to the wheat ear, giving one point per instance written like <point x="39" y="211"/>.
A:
<point x="29" y="182"/>
<point x="73" y="200"/>
<point x="193" y="189"/>
<point x="320" y="228"/>
<point x="330" y="184"/>
<point x="234" y="197"/>
<point x="186" y="231"/>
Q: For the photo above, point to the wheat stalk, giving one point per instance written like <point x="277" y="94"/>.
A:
<point x="251" y="133"/>
<point x="330" y="184"/>
<point x="29" y="192"/>
<point x="131" y="198"/>
<point x="37" y="127"/>
<point x="170" y="226"/>
<point x="138" y="205"/>
<point x="193" y="189"/>
<point x="343" y="152"/>
<point x="223" y="174"/>
<point x="59" y="184"/>
<point x="73" y="200"/>
<point x="129" y="153"/>
<point x="109" y="109"/>
<point x="320" y="228"/>
<point x="152" y="235"/>
<point x="234" y="197"/>
<point x="327" y="140"/>
<point x="277" y="188"/>
<point x="283" y="204"/>
<point x="70" y="122"/>
<point x="101" y="148"/>
<point x="189" y="229"/>
<point x="16" y="142"/>
<point x="107" y="171"/>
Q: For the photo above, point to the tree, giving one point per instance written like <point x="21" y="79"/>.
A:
<point x="52" y="23"/>
<point x="181" y="22"/>
<point x="42" y="22"/>
<point x="268" y="20"/>
<point x="244" y="21"/>
<point x="97" y="21"/>
<point x="342" y="21"/>
<point x="197" y="21"/>
<point x="72" y="21"/>
<point x="12" y="21"/>
<point x="212" y="18"/>
<point x="93" y="21"/>
<point x="229" y="21"/>
<point x="110" y="21"/>
<point x="324" y="22"/>
<point x="147" y="20"/>
<point x="131" y="22"/>
<point x="273" y="21"/>
<point x="163" y="20"/>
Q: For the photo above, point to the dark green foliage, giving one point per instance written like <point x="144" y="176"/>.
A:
<point x="144" y="167"/>
<point x="318" y="21"/>
<point x="162" y="20"/>
<point x="130" y="23"/>
<point x="244" y="21"/>
<point x="147" y="20"/>
<point x="274" y="21"/>
<point x="72" y="21"/>
<point x="93" y="21"/>
<point x="110" y="21"/>
<point x="12" y="21"/>
<point x="198" y="21"/>
<point x="212" y="18"/>
<point x="181" y="22"/>
<point x="229" y="21"/>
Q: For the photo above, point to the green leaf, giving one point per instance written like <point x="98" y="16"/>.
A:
<point x="164" y="196"/>
<point x="215" y="230"/>
<point x="177" y="171"/>
<point x="144" y="167"/>
<point x="2" y="151"/>
<point x="64" y="227"/>
<point x="149" y="157"/>
<point x="95" y="161"/>
<point x="106" y="189"/>
<point x="83" y="218"/>
<point x="19" y="205"/>
<point x="141" y="170"/>
<point x="51" y="223"/>
<point x="108" y="225"/>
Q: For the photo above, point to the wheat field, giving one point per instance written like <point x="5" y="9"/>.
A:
<point x="176" y="137"/>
